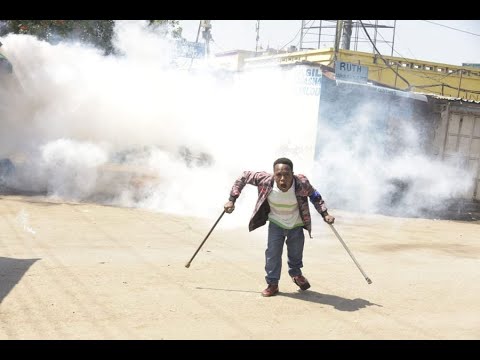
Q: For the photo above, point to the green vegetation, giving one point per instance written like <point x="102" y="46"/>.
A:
<point x="96" y="32"/>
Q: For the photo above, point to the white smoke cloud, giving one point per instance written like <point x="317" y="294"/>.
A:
<point x="134" y="130"/>
<point x="365" y="169"/>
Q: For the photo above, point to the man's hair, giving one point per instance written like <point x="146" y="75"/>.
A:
<point x="284" y="161"/>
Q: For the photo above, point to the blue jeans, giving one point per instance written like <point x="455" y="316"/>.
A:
<point x="273" y="254"/>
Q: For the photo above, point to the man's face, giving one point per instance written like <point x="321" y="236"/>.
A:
<point x="283" y="176"/>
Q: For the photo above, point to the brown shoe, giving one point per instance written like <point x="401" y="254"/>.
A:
<point x="271" y="290"/>
<point x="301" y="281"/>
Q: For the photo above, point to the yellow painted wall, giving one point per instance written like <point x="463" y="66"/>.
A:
<point x="423" y="76"/>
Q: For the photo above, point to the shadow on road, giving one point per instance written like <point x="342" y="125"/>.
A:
<point x="11" y="271"/>
<point x="338" y="302"/>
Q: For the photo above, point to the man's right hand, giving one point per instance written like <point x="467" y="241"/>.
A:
<point x="229" y="207"/>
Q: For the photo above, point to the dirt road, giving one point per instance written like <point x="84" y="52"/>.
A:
<point x="82" y="271"/>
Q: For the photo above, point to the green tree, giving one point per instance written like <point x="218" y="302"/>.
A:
<point x="96" y="32"/>
<point x="172" y="27"/>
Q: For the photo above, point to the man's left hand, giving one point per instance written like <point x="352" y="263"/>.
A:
<point x="329" y="219"/>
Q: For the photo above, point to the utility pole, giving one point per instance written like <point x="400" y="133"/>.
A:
<point x="207" y="36"/>
<point x="196" y="41"/>
<point x="375" y="40"/>
<point x="393" y="38"/>
<point x="338" y="32"/>
<point x="347" y="34"/>
<point x="302" y="29"/>
<point x="460" y="84"/>
<point x="257" y="28"/>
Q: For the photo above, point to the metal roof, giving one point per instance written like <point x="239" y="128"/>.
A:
<point x="386" y="90"/>
<point x="449" y="98"/>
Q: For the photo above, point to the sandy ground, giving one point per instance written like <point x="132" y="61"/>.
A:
<point x="82" y="271"/>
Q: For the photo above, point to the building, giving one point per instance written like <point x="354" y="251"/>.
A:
<point x="457" y="135"/>
<point x="421" y="76"/>
<point x="441" y="102"/>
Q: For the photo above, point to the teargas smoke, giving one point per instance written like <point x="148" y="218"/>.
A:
<point x="367" y="165"/>
<point x="135" y="129"/>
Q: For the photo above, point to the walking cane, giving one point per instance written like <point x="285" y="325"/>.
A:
<point x="351" y="255"/>
<point x="187" y="265"/>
